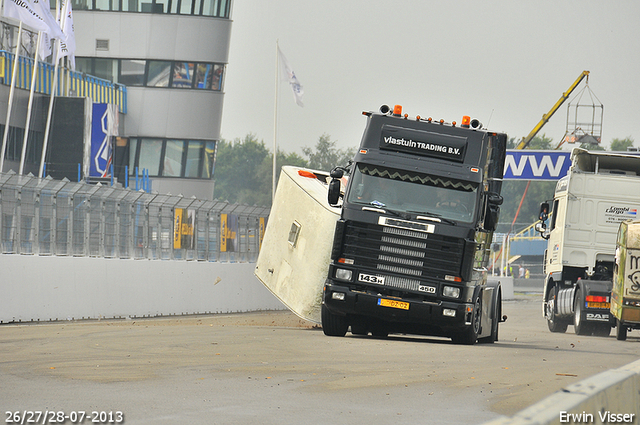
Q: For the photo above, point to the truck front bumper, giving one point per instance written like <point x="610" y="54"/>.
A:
<point x="428" y="318"/>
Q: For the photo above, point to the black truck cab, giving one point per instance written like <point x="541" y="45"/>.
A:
<point x="411" y="247"/>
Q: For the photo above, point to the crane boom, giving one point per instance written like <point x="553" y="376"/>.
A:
<point x="525" y="142"/>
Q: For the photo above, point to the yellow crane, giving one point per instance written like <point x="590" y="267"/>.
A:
<point x="525" y="142"/>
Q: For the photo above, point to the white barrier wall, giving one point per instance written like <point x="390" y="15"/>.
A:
<point x="40" y="288"/>
<point x="608" y="397"/>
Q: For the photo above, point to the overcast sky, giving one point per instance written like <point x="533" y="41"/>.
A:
<point x="504" y="62"/>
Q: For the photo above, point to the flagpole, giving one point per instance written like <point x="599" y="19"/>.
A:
<point x="275" y="130"/>
<point x="30" y="107"/>
<point x="11" y="91"/>
<point x="54" y="87"/>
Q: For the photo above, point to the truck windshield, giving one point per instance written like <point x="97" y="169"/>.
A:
<point x="411" y="192"/>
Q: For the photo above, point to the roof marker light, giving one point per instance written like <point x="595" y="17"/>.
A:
<point x="418" y="118"/>
<point x="305" y="173"/>
<point x="441" y="121"/>
<point x="453" y="123"/>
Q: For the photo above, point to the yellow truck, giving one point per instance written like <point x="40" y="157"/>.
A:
<point x="625" y="295"/>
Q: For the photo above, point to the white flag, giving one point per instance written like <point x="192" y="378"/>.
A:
<point x="290" y="76"/>
<point x="46" y="44"/>
<point x="44" y="10"/>
<point x="67" y="47"/>
<point x="33" y="15"/>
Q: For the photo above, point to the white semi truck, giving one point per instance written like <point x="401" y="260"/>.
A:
<point x="601" y="190"/>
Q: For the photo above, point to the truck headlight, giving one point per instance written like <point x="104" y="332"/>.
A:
<point x="344" y="274"/>
<point x="451" y="291"/>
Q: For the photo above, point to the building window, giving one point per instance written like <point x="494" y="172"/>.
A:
<point x="213" y="8"/>
<point x="154" y="73"/>
<point x="194" y="158"/>
<point x="172" y="164"/>
<point x="158" y="73"/>
<point x="149" y="154"/>
<point x="131" y="72"/>
<point x="182" y="75"/>
<point x="172" y="157"/>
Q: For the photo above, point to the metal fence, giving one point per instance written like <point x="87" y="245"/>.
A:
<point x="69" y="83"/>
<point x="59" y="217"/>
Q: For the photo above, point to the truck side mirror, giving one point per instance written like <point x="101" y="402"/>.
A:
<point x="491" y="216"/>
<point x="544" y="211"/>
<point x="494" y="198"/>
<point x="542" y="229"/>
<point x="334" y="191"/>
<point x="336" y="173"/>
<point x="492" y="211"/>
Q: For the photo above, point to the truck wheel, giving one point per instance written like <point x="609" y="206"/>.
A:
<point x="470" y="335"/>
<point x="554" y="324"/>
<point x="581" y="327"/>
<point x="621" y="331"/>
<point x="332" y="324"/>
<point x="497" y="308"/>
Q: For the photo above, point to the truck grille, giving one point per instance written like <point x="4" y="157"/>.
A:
<point x="405" y="257"/>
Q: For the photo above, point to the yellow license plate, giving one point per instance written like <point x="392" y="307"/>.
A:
<point x="598" y="305"/>
<point x="393" y="304"/>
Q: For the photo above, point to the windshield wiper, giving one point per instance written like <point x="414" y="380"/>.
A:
<point x="381" y="207"/>
<point x="434" y="216"/>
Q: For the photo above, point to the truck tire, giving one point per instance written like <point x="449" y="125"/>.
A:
<point x="581" y="327"/>
<point x="497" y="314"/>
<point x="621" y="331"/>
<point x="554" y="324"/>
<point x="332" y="324"/>
<point x="470" y="335"/>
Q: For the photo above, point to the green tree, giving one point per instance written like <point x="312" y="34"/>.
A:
<point x="236" y="174"/>
<point x="539" y="142"/>
<point x="326" y="156"/>
<point x="621" y="144"/>
<point x="592" y="147"/>
<point x="264" y="191"/>
<point x="244" y="170"/>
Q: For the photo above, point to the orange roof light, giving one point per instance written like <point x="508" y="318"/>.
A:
<point x="305" y="173"/>
<point x="466" y="120"/>
<point x="397" y="110"/>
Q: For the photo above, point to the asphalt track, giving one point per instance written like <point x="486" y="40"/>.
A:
<point x="273" y="368"/>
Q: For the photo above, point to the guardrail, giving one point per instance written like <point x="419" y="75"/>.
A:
<point x="69" y="82"/>
<point x="49" y="217"/>
<point x="608" y="397"/>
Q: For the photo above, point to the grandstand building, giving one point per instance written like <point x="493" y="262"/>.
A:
<point x="171" y="56"/>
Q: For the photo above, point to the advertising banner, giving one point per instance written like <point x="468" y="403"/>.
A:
<point x="228" y="232"/>
<point x="104" y="127"/>
<point x="536" y="165"/>
<point x="184" y="224"/>
<point x="261" y="229"/>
